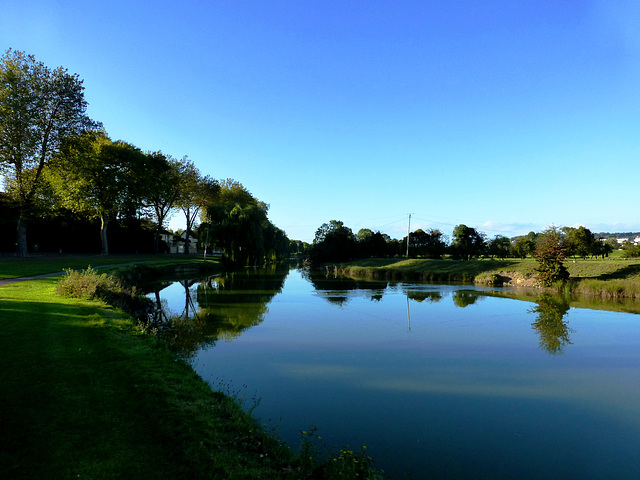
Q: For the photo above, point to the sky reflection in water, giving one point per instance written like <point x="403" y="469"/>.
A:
<point x="437" y="381"/>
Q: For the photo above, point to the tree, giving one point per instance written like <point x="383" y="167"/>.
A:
<point x="630" y="250"/>
<point x="371" y="244"/>
<point x="428" y="244"/>
<point x="467" y="242"/>
<point x="333" y="242"/>
<point x="165" y="171"/>
<point x="550" y="252"/>
<point x="99" y="178"/>
<point x="523" y="246"/>
<point x="39" y="107"/>
<point x="550" y="324"/>
<point x="195" y="194"/>
<point x="579" y="241"/>
<point x="241" y="229"/>
<point x="499" y="247"/>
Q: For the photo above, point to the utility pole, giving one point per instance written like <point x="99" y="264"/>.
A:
<point x="408" y="235"/>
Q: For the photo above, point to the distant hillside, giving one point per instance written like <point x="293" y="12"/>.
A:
<point x="629" y="235"/>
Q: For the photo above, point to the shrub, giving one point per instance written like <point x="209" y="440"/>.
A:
<point x="550" y="253"/>
<point x="89" y="284"/>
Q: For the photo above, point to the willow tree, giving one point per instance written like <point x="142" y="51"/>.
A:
<point x="241" y="229"/>
<point x="99" y="178"/>
<point x="39" y="107"/>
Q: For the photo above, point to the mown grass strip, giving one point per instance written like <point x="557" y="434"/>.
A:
<point x="85" y="396"/>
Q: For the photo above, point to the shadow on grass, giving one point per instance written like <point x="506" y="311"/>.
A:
<point x="621" y="274"/>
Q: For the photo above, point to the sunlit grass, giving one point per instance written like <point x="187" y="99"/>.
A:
<point x="84" y="395"/>
<point x="429" y="270"/>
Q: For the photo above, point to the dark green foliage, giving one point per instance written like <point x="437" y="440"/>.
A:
<point x="371" y="244"/>
<point x="238" y="225"/>
<point x="550" y="253"/>
<point x="98" y="178"/>
<point x="499" y="247"/>
<point x="429" y="244"/>
<point x="467" y="242"/>
<point x="39" y="107"/>
<point x="629" y="250"/>
<point x="334" y="242"/>
<point x="298" y="247"/>
<point x="581" y="242"/>
<point x="523" y="246"/>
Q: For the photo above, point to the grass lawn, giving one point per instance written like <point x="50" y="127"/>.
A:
<point x="84" y="396"/>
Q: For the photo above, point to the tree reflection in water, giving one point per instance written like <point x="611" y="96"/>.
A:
<point x="419" y="296"/>
<point x="224" y="306"/>
<point x="464" y="298"/>
<point x="553" y="330"/>
<point x="337" y="289"/>
<point x="218" y="308"/>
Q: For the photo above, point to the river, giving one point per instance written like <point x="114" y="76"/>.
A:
<point x="437" y="381"/>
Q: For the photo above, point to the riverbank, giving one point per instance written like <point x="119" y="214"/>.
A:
<point x="606" y="278"/>
<point x="86" y="394"/>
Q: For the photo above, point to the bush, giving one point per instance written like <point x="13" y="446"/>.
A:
<point x="89" y="284"/>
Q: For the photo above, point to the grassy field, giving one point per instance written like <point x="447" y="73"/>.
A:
<point x="85" y="394"/>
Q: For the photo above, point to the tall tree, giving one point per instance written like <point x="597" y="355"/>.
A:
<point x="467" y="242"/>
<point x="39" y="107"/>
<point x="195" y="193"/>
<point x="162" y="199"/>
<point x="100" y="178"/>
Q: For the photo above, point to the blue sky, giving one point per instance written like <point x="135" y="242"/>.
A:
<point x="505" y="116"/>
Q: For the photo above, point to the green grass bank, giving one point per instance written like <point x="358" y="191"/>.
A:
<point x="606" y="278"/>
<point x="86" y="394"/>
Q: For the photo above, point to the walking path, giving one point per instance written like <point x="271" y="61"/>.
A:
<point x="9" y="281"/>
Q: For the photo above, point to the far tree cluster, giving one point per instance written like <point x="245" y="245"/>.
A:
<point x="335" y="242"/>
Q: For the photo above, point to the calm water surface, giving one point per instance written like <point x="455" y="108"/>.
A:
<point x="438" y="381"/>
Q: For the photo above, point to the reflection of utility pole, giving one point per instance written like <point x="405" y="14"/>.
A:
<point x="408" y="235"/>
<point x="408" y="315"/>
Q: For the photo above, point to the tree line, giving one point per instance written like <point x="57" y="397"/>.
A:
<point x="57" y="162"/>
<point x="334" y="241"/>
